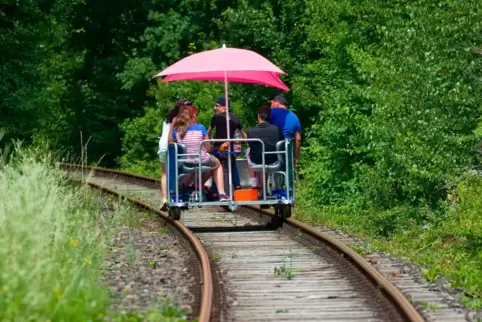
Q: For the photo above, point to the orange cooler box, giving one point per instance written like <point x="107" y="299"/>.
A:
<point x="245" y="195"/>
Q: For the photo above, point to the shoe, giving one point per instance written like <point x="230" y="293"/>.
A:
<point x="164" y="204"/>
<point x="223" y="197"/>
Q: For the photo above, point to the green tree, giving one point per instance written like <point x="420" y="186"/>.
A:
<point x="28" y="32"/>
<point x="399" y="86"/>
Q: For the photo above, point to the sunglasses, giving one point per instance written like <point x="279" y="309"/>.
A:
<point x="187" y="103"/>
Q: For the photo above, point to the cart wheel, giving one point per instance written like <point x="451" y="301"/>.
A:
<point x="282" y="211"/>
<point x="175" y="213"/>
<point x="286" y="211"/>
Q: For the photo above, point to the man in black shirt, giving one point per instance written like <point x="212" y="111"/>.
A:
<point x="270" y="135"/>
<point x="218" y="123"/>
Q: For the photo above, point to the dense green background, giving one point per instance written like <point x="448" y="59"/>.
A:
<point x="388" y="92"/>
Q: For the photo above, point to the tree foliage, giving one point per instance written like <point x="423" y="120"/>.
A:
<point x="388" y="92"/>
<point x="400" y="99"/>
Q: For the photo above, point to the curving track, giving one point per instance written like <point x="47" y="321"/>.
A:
<point x="267" y="269"/>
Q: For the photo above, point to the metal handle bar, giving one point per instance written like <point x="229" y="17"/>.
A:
<point x="229" y="160"/>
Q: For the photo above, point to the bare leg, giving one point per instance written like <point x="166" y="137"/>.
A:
<point x="163" y="184"/>
<point x="251" y="172"/>
<point x="206" y="176"/>
<point x="218" y="175"/>
<point x="255" y="177"/>
<point x="188" y="179"/>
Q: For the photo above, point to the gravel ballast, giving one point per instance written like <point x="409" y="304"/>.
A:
<point x="146" y="266"/>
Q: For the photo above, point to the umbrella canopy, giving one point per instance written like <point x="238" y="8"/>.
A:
<point x="226" y="64"/>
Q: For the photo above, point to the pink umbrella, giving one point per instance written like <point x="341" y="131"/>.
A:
<point x="228" y="65"/>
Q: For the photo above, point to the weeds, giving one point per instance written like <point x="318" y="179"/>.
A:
<point x="361" y="250"/>
<point x="446" y="241"/>
<point x="428" y="307"/>
<point x="165" y="312"/>
<point x="153" y="264"/>
<point x="472" y="303"/>
<point x="163" y="230"/>
<point x="286" y="271"/>
<point x="131" y="254"/>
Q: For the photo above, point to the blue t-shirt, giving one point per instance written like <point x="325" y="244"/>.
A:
<point x="286" y="120"/>
<point x="192" y="139"/>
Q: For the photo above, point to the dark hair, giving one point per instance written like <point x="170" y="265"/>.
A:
<point x="264" y="112"/>
<point x="173" y="112"/>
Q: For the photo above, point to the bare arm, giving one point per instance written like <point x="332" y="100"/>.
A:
<point x="171" y="129"/>
<point x="210" y="131"/>
<point x="244" y="134"/>
<point x="297" y="147"/>
<point x="207" y="145"/>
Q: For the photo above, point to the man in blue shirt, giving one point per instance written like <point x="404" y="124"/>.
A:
<point x="287" y="121"/>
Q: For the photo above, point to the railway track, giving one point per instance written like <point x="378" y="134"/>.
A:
<point x="257" y="267"/>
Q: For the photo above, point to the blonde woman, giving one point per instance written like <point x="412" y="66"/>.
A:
<point x="169" y="119"/>
<point x="189" y="133"/>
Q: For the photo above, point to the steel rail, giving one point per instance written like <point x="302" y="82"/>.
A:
<point x="395" y="295"/>
<point x="207" y="280"/>
<point x="392" y="292"/>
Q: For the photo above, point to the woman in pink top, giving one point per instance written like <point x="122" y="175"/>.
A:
<point x="189" y="133"/>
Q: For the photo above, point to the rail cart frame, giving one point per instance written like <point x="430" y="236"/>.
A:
<point x="177" y="160"/>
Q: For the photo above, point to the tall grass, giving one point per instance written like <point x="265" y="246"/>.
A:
<point x="51" y="245"/>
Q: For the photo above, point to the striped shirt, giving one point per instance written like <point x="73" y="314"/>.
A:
<point x="195" y="134"/>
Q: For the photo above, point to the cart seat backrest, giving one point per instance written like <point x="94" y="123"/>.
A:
<point x="278" y="164"/>
<point x="185" y="167"/>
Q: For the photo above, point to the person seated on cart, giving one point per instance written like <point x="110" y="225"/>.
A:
<point x="218" y="123"/>
<point x="270" y="135"/>
<point x="169" y="119"/>
<point x="188" y="132"/>
<point x="287" y="121"/>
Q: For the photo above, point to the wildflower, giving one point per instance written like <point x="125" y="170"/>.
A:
<point x="86" y="262"/>
<point x="57" y="293"/>
<point x="73" y="242"/>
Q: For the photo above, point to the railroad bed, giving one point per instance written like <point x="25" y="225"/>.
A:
<point x="264" y="272"/>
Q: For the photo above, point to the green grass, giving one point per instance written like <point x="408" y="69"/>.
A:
<point x="447" y="241"/>
<point x="53" y="237"/>
<point x="163" y="230"/>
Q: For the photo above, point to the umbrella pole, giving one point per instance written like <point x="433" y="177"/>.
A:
<point x="228" y="134"/>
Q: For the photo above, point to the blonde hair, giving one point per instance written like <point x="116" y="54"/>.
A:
<point x="185" y="119"/>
